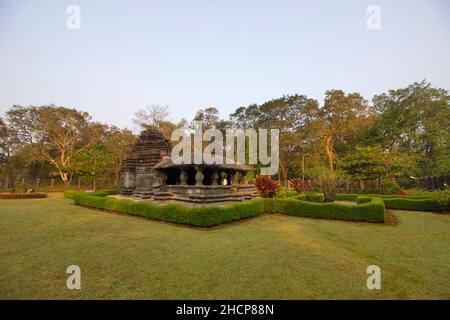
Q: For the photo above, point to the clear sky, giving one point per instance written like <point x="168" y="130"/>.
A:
<point x="223" y="53"/>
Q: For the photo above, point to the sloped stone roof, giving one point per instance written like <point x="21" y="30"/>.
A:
<point x="149" y="149"/>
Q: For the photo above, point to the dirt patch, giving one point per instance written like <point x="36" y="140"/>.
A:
<point x="391" y="219"/>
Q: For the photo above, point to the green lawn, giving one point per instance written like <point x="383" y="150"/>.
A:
<point x="267" y="257"/>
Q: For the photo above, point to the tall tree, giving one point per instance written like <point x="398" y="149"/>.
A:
<point x="342" y="115"/>
<point x="371" y="163"/>
<point x="56" y="133"/>
<point x="209" y="117"/>
<point x="415" y="121"/>
<point x="118" y="142"/>
<point x="92" y="162"/>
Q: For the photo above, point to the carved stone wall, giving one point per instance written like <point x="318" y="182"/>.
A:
<point x="137" y="175"/>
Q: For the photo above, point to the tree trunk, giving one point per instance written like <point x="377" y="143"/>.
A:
<point x="116" y="178"/>
<point x="93" y="184"/>
<point x="283" y="174"/>
<point x="329" y="151"/>
<point x="64" y="177"/>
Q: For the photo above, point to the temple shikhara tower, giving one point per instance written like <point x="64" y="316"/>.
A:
<point x="149" y="173"/>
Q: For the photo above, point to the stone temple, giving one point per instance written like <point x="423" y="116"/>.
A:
<point x="149" y="173"/>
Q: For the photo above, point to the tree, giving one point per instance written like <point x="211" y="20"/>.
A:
<point x="151" y="115"/>
<point x="92" y="162"/>
<point x="209" y="117"/>
<point x="56" y="133"/>
<point x="342" y="115"/>
<point x="414" y="122"/>
<point x="157" y="116"/>
<point x="4" y="142"/>
<point x="371" y="163"/>
<point x="118" y="142"/>
<point x="291" y="114"/>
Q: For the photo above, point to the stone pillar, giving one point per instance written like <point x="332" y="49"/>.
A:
<point x="183" y="177"/>
<point x="162" y="181"/>
<point x="199" y="177"/>
<point x="234" y="178"/>
<point x="214" y="178"/>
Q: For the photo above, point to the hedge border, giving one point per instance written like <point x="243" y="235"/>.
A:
<point x="70" y="194"/>
<point x="209" y="216"/>
<point x="12" y="196"/>
<point x="413" y="203"/>
<point x="372" y="210"/>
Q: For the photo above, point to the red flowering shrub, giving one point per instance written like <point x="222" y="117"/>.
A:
<point x="298" y="184"/>
<point x="267" y="187"/>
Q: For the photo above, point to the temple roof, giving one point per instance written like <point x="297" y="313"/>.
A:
<point x="149" y="149"/>
<point x="167" y="163"/>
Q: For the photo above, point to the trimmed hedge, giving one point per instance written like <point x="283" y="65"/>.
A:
<point x="70" y="194"/>
<point x="312" y="197"/>
<point x="208" y="216"/>
<point x="33" y="195"/>
<point x="372" y="211"/>
<point x="353" y="196"/>
<point x="415" y="203"/>
<point x="205" y="216"/>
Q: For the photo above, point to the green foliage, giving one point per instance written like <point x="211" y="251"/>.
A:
<point x="414" y="122"/>
<point x="286" y="193"/>
<point x="373" y="211"/>
<point x="437" y="205"/>
<point x="70" y="194"/>
<point x="312" y="197"/>
<point x="439" y="202"/>
<point x="370" y="163"/>
<point x="22" y="187"/>
<point x="92" y="162"/>
<point x="208" y="216"/>
<point x="390" y="187"/>
<point x="205" y="216"/>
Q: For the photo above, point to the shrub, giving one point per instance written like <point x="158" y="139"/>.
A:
<point x="207" y="216"/>
<point x="33" y="195"/>
<point x="204" y="216"/>
<point x="372" y="211"/>
<point x="22" y="187"/>
<point x="298" y="184"/>
<point x="266" y="186"/>
<point x="412" y="203"/>
<point x="70" y="194"/>
<point x="436" y="205"/>
<point x="286" y="193"/>
<point x="312" y="197"/>
<point x="390" y="187"/>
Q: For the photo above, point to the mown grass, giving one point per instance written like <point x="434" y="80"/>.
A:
<point x="267" y="257"/>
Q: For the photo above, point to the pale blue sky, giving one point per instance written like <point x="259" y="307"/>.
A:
<point x="193" y="54"/>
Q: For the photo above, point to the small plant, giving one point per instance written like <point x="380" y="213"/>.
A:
<point x="298" y="184"/>
<point x="267" y="187"/>
<point x="22" y="187"/>
<point x="391" y="187"/>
